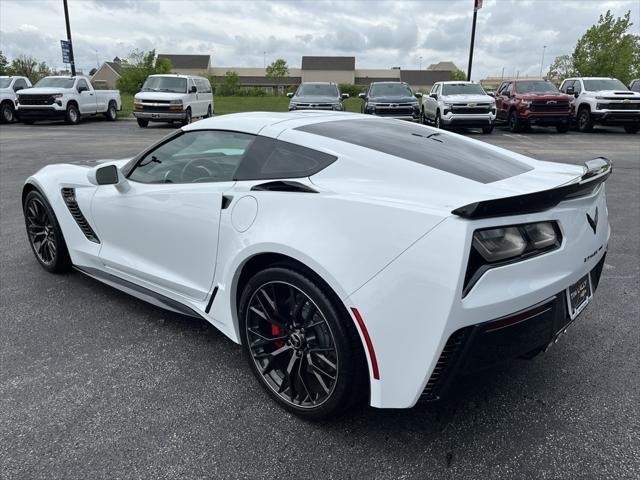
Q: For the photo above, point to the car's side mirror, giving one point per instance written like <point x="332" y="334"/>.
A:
<point x="492" y="94"/>
<point x="362" y="95"/>
<point x="289" y="94"/>
<point x="434" y="96"/>
<point x="107" y="175"/>
<point x="193" y="89"/>
<point x="418" y="95"/>
<point x="571" y="90"/>
<point x="345" y="96"/>
<point x="17" y="88"/>
<point x="82" y="89"/>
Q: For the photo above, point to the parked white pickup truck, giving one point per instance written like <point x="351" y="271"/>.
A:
<point x="67" y="98"/>
<point x="604" y="101"/>
<point x="9" y="86"/>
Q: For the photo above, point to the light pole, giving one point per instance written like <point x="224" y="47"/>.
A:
<point x="71" y="57"/>
<point x="264" y="59"/>
<point x="477" y="5"/>
<point x="420" y="68"/>
<point x="544" y="47"/>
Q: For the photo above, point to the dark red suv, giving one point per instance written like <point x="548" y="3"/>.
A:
<point x="522" y="103"/>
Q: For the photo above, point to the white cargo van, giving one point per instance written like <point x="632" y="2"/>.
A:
<point x="169" y="98"/>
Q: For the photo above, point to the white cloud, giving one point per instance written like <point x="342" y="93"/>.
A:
<point x="381" y="34"/>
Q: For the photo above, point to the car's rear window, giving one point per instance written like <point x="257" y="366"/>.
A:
<point x="435" y="149"/>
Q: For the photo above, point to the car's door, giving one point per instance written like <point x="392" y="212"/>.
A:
<point x="86" y="97"/>
<point x="432" y="101"/>
<point x="503" y="100"/>
<point x="192" y="98"/>
<point x="160" y="227"/>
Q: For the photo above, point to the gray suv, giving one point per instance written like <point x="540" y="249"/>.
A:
<point x="317" y="96"/>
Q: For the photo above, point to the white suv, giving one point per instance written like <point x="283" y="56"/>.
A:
<point x="606" y="101"/>
<point x="169" y="98"/>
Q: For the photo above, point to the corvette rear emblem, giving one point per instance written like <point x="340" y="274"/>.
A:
<point x="593" y="222"/>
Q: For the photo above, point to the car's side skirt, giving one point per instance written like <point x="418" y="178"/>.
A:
<point x="137" y="291"/>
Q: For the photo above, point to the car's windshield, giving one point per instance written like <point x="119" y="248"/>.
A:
<point x="165" y="84"/>
<point x="462" y="89"/>
<point x="604" y="84"/>
<point x="5" y="82"/>
<point x="390" y="90"/>
<point x="57" y="82"/>
<point x="536" y="87"/>
<point x="318" y="90"/>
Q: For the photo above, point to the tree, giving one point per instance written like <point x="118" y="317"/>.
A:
<point x="4" y="64"/>
<point x="29" y="67"/>
<point x="278" y="69"/>
<point x="608" y="50"/>
<point x="230" y="84"/>
<point x="561" y="68"/>
<point x="458" y="75"/>
<point x="93" y="71"/>
<point x="139" y="65"/>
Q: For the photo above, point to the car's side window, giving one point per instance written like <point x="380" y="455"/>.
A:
<point x="269" y="159"/>
<point x="194" y="157"/>
<point x="19" y="84"/>
<point x="577" y="86"/>
<point x="82" y="84"/>
<point x="508" y="89"/>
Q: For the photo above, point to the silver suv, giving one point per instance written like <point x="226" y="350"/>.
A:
<point x="317" y="96"/>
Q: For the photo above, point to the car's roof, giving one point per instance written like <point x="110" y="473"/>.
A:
<point x="176" y="75"/>
<point x="382" y="83"/>
<point x="318" y="83"/>
<point x="456" y="82"/>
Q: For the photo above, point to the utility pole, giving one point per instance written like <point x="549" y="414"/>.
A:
<point x="420" y="63"/>
<point x="477" y="5"/>
<point x="264" y="59"/>
<point x="72" y="58"/>
<point x="544" y="47"/>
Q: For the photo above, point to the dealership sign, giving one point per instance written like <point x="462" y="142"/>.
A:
<point x="66" y="51"/>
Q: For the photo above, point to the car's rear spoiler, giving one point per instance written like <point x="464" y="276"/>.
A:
<point x="596" y="172"/>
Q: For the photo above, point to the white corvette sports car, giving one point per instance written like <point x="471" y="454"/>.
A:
<point x="353" y="257"/>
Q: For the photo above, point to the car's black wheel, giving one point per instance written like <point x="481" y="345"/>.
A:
<point x="112" y="113"/>
<point x="562" y="128"/>
<point x="438" y="122"/>
<point x="631" y="129"/>
<point x="7" y="113"/>
<point x="487" y="130"/>
<point x="514" y="122"/>
<point x="208" y="115"/>
<point x="187" y="117"/>
<point x="142" y="123"/>
<point x="301" y="343"/>
<point x="45" y="236"/>
<point x="28" y="122"/>
<point x="585" y="123"/>
<point x="72" y="115"/>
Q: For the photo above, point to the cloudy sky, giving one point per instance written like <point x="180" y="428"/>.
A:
<point x="381" y="34"/>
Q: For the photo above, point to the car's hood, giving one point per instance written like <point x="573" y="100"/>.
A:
<point x="615" y="93"/>
<point x="159" y="96"/>
<point x="466" y="98"/>
<point x="45" y="90"/>
<point x="387" y="99"/>
<point x="315" y="99"/>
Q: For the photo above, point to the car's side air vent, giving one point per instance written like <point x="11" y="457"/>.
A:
<point x="445" y="366"/>
<point x="69" y="196"/>
<point x="284" y="186"/>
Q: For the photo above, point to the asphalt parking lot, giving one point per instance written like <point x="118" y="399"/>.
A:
<point x="97" y="384"/>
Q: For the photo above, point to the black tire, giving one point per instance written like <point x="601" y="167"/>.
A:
<point x="208" y="115"/>
<point x="112" y="112"/>
<point x="44" y="233"/>
<point x="631" y="128"/>
<point x="142" y="123"/>
<point x="187" y="117"/>
<point x="7" y="113"/>
<point x="585" y="122"/>
<point x="487" y="130"/>
<point x="438" y="122"/>
<point x="28" y="122"/>
<point x="514" y="122"/>
<point x="72" y="115"/>
<point x="301" y="318"/>
<point x="562" y="128"/>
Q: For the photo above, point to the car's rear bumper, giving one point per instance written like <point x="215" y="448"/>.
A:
<point x="520" y="334"/>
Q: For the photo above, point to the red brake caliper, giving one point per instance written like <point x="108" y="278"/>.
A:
<point x="276" y="331"/>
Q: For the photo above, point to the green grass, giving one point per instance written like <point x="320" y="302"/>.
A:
<point x="224" y="105"/>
